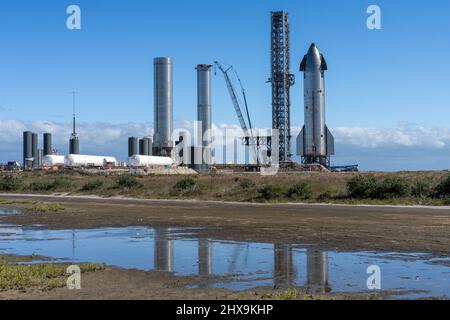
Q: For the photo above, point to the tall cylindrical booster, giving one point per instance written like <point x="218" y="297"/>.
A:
<point x="163" y="95"/>
<point x="204" y="112"/>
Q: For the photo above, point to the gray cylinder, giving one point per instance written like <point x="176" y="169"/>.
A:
<point x="204" y="111"/>
<point x="27" y="148"/>
<point x="74" y="146"/>
<point x="48" y="148"/>
<point x="143" y="147"/>
<point x="163" y="95"/>
<point x="132" y="146"/>
<point x="35" y="151"/>
<point x="149" y="145"/>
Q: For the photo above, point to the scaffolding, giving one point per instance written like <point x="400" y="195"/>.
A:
<point x="281" y="81"/>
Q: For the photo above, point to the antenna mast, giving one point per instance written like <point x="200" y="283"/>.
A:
<point x="74" y="132"/>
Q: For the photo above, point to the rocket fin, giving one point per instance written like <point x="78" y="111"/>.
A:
<point x="301" y="143"/>
<point x="330" y="143"/>
<point x="303" y="64"/>
<point x="324" y="65"/>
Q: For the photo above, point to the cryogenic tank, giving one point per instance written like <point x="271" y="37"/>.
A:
<point x="76" y="160"/>
<point x="53" y="160"/>
<point x="48" y="144"/>
<point x="149" y="161"/>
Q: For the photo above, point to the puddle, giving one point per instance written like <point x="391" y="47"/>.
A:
<point x="249" y="264"/>
<point x="9" y="212"/>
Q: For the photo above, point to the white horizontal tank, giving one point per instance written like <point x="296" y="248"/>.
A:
<point x="150" y="161"/>
<point x="53" y="160"/>
<point x="76" y="160"/>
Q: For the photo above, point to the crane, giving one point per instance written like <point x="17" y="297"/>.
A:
<point x="237" y="106"/>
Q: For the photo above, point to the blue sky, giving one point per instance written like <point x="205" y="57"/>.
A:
<point x="392" y="78"/>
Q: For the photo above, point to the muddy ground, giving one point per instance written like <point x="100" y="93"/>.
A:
<point x="340" y="228"/>
<point x="120" y="284"/>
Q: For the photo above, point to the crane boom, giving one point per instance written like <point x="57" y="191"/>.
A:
<point x="234" y="98"/>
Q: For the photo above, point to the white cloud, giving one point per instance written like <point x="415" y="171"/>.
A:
<point x="405" y="136"/>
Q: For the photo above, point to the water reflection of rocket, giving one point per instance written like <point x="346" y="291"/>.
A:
<point x="315" y="143"/>
<point x="204" y="257"/>
<point x="163" y="250"/>
<point x="284" y="268"/>
<point x="317" y="270"/>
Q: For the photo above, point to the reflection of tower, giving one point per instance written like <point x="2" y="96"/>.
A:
<point x="204" y="257"/>
<point x="163" y="250"/>
<point x="317" y="264"/>
<point x="284" y="271"/>
<point x="73" y="245"/>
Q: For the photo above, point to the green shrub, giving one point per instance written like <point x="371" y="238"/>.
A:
<point x="422" y="188"/>
<point x="40" y="276"/>
<point x="45" y="207"/>
<point x="128" y="182"/>
<point x="62" y="184"/>
<point x="392" y="187"/>
<point x="326" y="196"/>
<point x="92" y="185"/>
<point x="47" y="185"/>
<point x="270" y="193"/>
<point x="442" y="190"/>
<point x="301" y="190"/>
<point x="10" y="183"/>
<point x="41" y="185"/>
<point x="362" y="187"/>
<point x="247" y="184"/>
<point x="185" y="184"/>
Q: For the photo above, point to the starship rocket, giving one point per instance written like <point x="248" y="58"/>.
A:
<point x="315" y="144"/>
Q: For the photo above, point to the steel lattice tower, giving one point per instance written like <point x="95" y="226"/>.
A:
<point x="281" y="80"/>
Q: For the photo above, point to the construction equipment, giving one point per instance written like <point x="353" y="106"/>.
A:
<point x="249" y="139"/>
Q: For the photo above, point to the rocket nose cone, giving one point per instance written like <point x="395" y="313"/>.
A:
<point x="314" y="55"/>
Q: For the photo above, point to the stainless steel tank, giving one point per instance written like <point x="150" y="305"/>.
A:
<point x="163" y="95"/>
<point x="48" y="148"/>
<point x="74" y="145"/>
<point x="27" y="149"/>
<point x="204" y="112"/>
<point x="148" y="141"/>
<point x="132" y="146"/>
<point x="35" y="151"/>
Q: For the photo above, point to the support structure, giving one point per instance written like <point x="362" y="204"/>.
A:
<point x="281" y="81"/>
